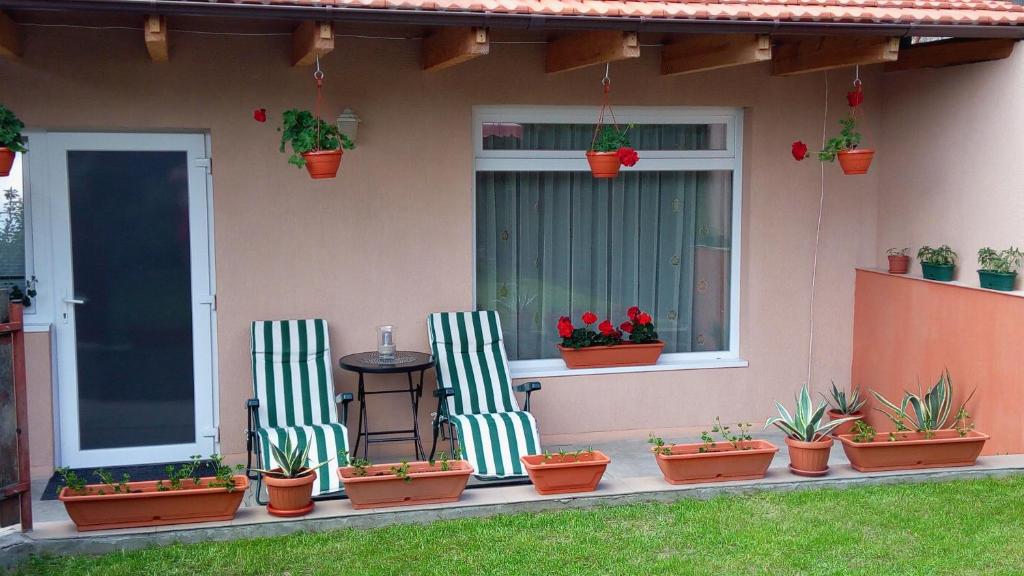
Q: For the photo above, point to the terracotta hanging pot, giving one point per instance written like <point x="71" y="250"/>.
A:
<point x="899" y="264"/>
<point x="856" y="161"/>
<point x="565" y="474"/>
<point x="323" y="164"/>
<point x="604" y="164"/>
<point x="6" y="161"/>
<point x="290" y="496"/>
<point x="809" y="458"/>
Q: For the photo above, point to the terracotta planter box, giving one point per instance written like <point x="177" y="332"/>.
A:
<point x="913" y="451"/>
<point x="844" y="428"/>
<point x="568" y="474"/>
<point x="380" y="488"/>
<point x="144" y="505"/>
<point x="624" y="354"/>
<point x="687" y="465"/>
<point x="809" y="458"/>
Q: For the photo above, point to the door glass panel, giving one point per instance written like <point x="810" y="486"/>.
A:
<point x="131" y="266"/>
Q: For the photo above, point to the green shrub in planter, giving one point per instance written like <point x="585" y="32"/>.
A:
<point x="937" y="263"/>
<point x="999" y="269"/>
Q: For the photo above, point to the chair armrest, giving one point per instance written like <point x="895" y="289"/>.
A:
<point x="344" y="398"/>
<point x="527" y="387"/>
<point x="443" y="392"/>
<point x="252" y="403"/>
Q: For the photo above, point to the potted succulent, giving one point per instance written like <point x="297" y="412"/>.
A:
<point x="184" y="497"/>
<point x="316" y="145"/>
<point x="899" y="260"/>
<point x="371" y="485"/>
<point x="566" y="472"/>
<point x="807" y="435"/>
<point x="736" y="456"/>
<point x="587" y="348"/>
<point x="999" y="269"/>
<point x="609" y="150"/>
<point x="845" y="147"/>
<point x="937" y="263"/>
<point x="290" y="484"/>
<point x="923" y="437"/>
<point x="11" y="139"/>
<point x="845" y="406"/>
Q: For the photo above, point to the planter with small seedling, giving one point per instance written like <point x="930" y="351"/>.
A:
<point x="371" y="485"/>
<point x="999" y="269"/>
<point x="899" y="260"/>
<point x="937" y="263"/>
<point x="566" y="472"/>
<point x="735" y="456"/>
<point x="845" y="405"/>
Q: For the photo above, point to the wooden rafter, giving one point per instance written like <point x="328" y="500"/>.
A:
<point x="712" y="51"/>
<point x="814" y="54"/>
<point x="581" y="49"/>
<point x="952" y="53"/>
<point x="10" y="39"/>
<point x="155" y="32"/>
<point x="311" y="39"/>
<point x="450" y="46"/>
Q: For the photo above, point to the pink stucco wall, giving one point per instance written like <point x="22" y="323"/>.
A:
<point x="390" y="240"/>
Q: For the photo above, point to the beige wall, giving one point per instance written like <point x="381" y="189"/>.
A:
<point x="390" y="240"/>
<point x="953" y="173"/>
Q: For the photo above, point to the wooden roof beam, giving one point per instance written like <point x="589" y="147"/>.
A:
<point x="155" y="33"/>
<point x="10" y="37"/>
<point x="581" y="49"/>
<point x="800" y="56"/>
<point x="713" y="51"/>
<point x="451" y="46"/>
<point x="944" y="53"/>
<point x="311" y="39"/>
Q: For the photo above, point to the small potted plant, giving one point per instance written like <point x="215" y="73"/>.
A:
<point x="184" y="497"/>
<point x="807" y="435"/>
<point x="999" y="269"/>
<point x="923" y="437"/>
<point x="316" y="145"/>
<point x="937" y="263"/>
<point x="899" y="260"/>
<point x="736" y="456"/>
<point x="610" y="150"/>
<point x="290" y="484"/>
<point x="843" y="406"/>
<point x="407" y="484"/>
<point x="566" y="472"/>
<point x="845" y="147"/>
<point x="11" y="139"/>
<point x="587" y="348"/>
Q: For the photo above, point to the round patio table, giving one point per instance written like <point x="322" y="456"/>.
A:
<point x="404" y="362"/>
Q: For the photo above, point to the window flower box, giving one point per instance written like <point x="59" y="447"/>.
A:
<point x="624" y="354"/>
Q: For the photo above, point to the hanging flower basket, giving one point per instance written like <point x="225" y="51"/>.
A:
<point x="846" y="146"/>
<point x="855" y="161"/>
<point x="609" y="148"/>
<point x="324" y="164"/>
<point x="316" y="145"/>
<point x="604" y="164"/>
<point x="11" y="139"/>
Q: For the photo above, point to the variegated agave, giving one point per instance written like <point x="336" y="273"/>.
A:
<point x="805" y="423"/>
<point x="923" y="413"/>
<point x="844" y="404"/>
<point x="292" y="461"/>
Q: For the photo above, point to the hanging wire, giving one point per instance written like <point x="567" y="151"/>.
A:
<point x="318" y="76"/>
<point x="817" y="240"/>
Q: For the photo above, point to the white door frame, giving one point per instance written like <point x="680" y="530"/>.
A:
<point x="54" y="192"/>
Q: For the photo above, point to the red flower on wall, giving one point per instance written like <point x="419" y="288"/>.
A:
<point x="259" y="114"/>
<point x="799" y="150"/>
<point x="628" y="156"/>
<point x="589" y="317"/>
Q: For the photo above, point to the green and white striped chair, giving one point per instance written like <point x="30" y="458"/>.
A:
<point x="476" y="396"/>
<point x="294" y="397"/>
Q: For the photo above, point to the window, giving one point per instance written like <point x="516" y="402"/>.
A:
<point x="12" y="229"/>
<point x="552" y="241"/>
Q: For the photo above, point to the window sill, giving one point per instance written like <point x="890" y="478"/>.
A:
<point x="662" y="366"/>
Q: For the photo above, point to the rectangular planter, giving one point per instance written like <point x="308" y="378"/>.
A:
<point x="568" y="474"/>
<point x="144" y="505"/>
<point x="945" y="449"/>
<point x="624" y="354"/>
<point x="380" y="488"/>
<point x="937" y="272"/>
<point x="997" y="280"/>
<point x="687" y="465"/>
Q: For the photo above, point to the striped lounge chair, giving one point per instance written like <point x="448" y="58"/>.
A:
<point x="476" y="396"/>
<point x="294" y="398"/>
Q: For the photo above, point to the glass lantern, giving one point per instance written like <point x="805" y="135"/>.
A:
<point x="386" y="343"/>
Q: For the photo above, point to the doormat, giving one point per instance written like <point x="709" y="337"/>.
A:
<point x="139" y="472"/>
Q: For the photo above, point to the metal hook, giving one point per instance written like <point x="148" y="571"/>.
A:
<point x="318" y="74"/>
<point x="856" y="76"/>
<point x="607" y="79"/>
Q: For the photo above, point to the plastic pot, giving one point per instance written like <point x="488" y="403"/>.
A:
<point x="722" y="463"/>
<point x="809" y="458"/>
<point x="856" y="161"/>
<point x="847" y="427"/>
<point x="424" y="484"/>
<point x="6" y="161"/>
<point x="290" y="496"/>
<point x="566" y="474"/>
<point x="604" y="164"/>
<point x="624" y="354"/>
<point x="323" y="164"/>
<point x="899" y="264"/>
<point x="940" y="272"/>
<point x="912" y="450"/>
<point x="997" y="280"/>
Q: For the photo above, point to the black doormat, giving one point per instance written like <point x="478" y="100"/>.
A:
<point x="140" y="472"/>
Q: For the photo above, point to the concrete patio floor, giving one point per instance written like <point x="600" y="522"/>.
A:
<point x="633" y="476"/>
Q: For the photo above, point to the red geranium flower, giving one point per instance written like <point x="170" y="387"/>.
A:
<point x="855" y="98"/>
<point x="643" y="318"/>
<point x="627" y="156"/>
<point x="606" y="328"/>
<point x="626" y="327"/>
<point x="259" y="114"/>
<point x="589" y="317"/>
<point x="799" y="150"/>
<point x="633" y="312"/>
<point x="565" y="327"/>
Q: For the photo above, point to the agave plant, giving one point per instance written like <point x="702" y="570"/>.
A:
<point x="805" y="424"/>
<point x="292" y="461"/>
<point x="844" y="404"/>
<point x="927" y="412"/>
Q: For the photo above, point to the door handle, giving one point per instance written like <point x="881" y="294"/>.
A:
<point x="73" y="301"/>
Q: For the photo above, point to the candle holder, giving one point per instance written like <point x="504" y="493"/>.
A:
<point x="386" y="343"/>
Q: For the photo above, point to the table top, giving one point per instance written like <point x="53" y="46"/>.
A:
<point x="405" y="361"/>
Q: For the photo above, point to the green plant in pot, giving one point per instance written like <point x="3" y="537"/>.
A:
<point x="609" y="150"/>
<point x="845" y="405"/>
<point x="845" y="147"/>
<point x="11" y="139"/>
<point x="290" y="484"/>
<point x="807" y="434"/>
<point x="316" y="145"/>
<point x="937" y="263"/>
<point x="924" y="412"/>
<point x="999" y="269"/>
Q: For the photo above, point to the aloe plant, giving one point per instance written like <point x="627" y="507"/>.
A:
<point x="805" y="423"/>
<point x="928" y="412"/>
<point x="292" y="461"/>
<point x="844" y="404"/>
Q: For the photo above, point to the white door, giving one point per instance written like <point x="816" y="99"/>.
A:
<point x="133" y="296"/>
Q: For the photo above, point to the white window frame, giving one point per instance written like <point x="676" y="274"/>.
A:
<point x="730" y="158"/>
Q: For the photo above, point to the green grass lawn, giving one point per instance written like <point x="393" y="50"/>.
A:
<point x="963" y="527"/>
